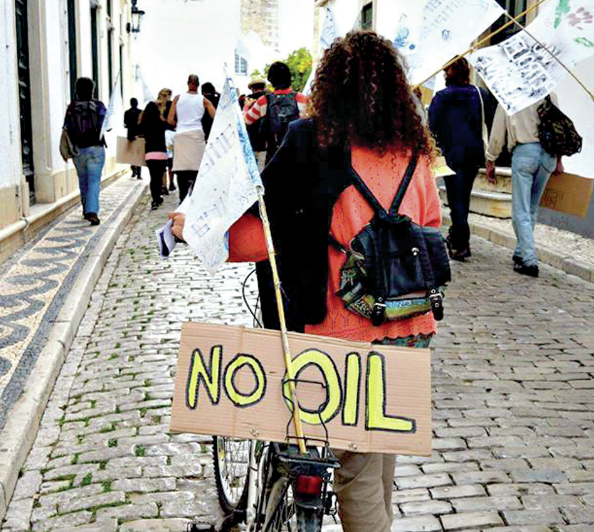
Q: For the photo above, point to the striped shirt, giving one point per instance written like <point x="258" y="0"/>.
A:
<point x="258" y="110"/>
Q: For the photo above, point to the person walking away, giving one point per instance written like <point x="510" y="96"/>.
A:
<point x="310" y="195"/>
<point x="153" y="128"/>
<point x="186" y="115"/>
<point x="211" y="94"/>
<point x="456" y="117"/>
<point x="257" y="133"/>
<point x="83" y="121"/>
<point x="531" y="168"/>
<point x="164" y="104"/>
<point x="131" y="119"/>
<point x="278" y="109"/>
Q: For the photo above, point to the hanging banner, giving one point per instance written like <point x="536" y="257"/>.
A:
<point x="519" y="71"/>
<point x="115" y="110"/>
<point x="230" y="381"/>
<point x="448" y="27"/>
<point x="226" y="184"/>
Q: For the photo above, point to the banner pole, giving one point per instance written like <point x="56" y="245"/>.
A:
<point x="578" y="80"/>
<point x="483" y="40"/>
<point x="283" y="324"/>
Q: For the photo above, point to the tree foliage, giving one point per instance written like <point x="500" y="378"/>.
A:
<point x="300" y="65"/>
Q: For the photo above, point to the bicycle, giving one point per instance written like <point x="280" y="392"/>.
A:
<point x="271" y="487"/>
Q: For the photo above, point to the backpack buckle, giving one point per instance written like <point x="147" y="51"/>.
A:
<point x="378" y="313"/>
<point x="436" y="299"/>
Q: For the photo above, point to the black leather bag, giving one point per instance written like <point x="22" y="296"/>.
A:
<point x="394" y="269"/>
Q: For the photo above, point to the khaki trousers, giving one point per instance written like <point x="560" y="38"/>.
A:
<point x="364" y="484"/>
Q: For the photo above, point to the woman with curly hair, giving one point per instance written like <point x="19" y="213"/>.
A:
<point x="363" y="118"/>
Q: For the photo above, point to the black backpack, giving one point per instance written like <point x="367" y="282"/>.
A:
<point x="82" y="123"/>
<point x="282" y="109"/>
<point x="394" y="269"/>
<point x="556" y="132"/>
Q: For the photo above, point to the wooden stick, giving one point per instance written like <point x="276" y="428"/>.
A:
<point x="283" y="324"/>
<point x="578" y="80"/>
<point x="484" y="40"/>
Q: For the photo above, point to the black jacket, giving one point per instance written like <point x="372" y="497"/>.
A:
<point x="154" y="135"/>
<point x="302" y="184"/>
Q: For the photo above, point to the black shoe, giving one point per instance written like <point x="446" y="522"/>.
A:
<point x="164" y="191"/>
<point x="155" y="205"/>
<point x="457" y="254"/>
<point x="93" y="218"/>
<point x="517" y="259"/>
<point x="138" y="176"/>
<point x="172" y="188"/>
<point x="86" y="215"/>
<point x="531" y="271"/>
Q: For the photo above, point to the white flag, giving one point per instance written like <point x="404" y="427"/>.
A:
<point x="226" y="184"/>
<point x="447" y="29"/>
<point x="520" y="72"/>
<point x="115" y="109"/>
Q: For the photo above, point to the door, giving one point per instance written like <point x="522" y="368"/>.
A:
<point x="25" y="95"/>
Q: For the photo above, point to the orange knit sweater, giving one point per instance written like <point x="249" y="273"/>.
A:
<point x="351" y="213"/>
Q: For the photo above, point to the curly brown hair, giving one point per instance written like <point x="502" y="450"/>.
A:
<point x="361" y="95"/>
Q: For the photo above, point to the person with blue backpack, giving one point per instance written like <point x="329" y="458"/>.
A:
<point x="275" y="111"/>
<point x="83" y="122"/>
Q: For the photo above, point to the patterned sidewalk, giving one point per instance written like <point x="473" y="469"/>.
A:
<point x="35" y="282"/>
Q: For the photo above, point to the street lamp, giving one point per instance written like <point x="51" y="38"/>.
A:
<point x="137" y="15"/>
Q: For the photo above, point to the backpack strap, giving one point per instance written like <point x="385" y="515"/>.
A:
<point x="410" y="170"/>
<point x="372" y="200"/>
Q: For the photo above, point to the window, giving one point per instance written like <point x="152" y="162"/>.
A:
<point x="367" y="16"/>
<point x="514" y="8"/>
<point x="95" y="50"/>
<point x="241" y="66"/>
<point x="72" y="51"/>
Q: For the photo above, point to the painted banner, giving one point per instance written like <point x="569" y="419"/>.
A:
<point x="226" y="184"/>
<point x="230" y="381"/>
<point x="115" y="110"/>
<point x="447" y="29"/>
<point x="520" y="72"/>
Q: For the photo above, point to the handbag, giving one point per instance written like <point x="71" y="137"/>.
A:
<point x="394" y="269"/>
<point x="556" y="131"/>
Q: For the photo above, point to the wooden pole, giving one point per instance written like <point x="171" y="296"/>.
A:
<point x="484" y="40"/>
<point x="283" y="324"/>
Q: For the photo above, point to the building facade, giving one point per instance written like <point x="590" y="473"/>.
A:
<point x="46" y="46"/>
<point x="262" y="17"/>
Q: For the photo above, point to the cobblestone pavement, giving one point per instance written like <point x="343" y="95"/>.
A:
<point x="513" y="391"/>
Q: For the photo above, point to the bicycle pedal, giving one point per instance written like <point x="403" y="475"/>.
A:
<point x="200" y="527"/>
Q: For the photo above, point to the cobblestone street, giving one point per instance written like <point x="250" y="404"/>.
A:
<point x="513" y="390"/>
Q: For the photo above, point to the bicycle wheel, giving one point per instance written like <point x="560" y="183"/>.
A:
<point x="284" y="515"/>
<point x="231" y="470"/>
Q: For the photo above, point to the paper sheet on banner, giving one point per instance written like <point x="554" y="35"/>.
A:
<point x="447" y="28"/>
<point x="225" y="187"/>
<point x="520" y="72"/>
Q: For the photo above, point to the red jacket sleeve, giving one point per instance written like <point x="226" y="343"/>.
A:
<point x="246" y="240"/>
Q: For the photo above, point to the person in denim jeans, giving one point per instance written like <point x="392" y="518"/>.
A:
<point x="531" y="168"/>
<point x="83" y="121"/>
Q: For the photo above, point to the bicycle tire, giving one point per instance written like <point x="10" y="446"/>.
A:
<point x="232" y="498"/>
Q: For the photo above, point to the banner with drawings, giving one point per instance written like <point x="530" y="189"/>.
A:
<point x="447" y="29"/>
<point x="521" y="71"/>
<point x="225" y="187"/>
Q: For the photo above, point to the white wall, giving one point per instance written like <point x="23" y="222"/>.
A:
<point x="10" y="136"/>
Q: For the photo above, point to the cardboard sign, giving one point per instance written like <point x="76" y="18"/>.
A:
<point x="131" y="153"/>
<point x="230" y="381"/>
<point x="568" y="193"/>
